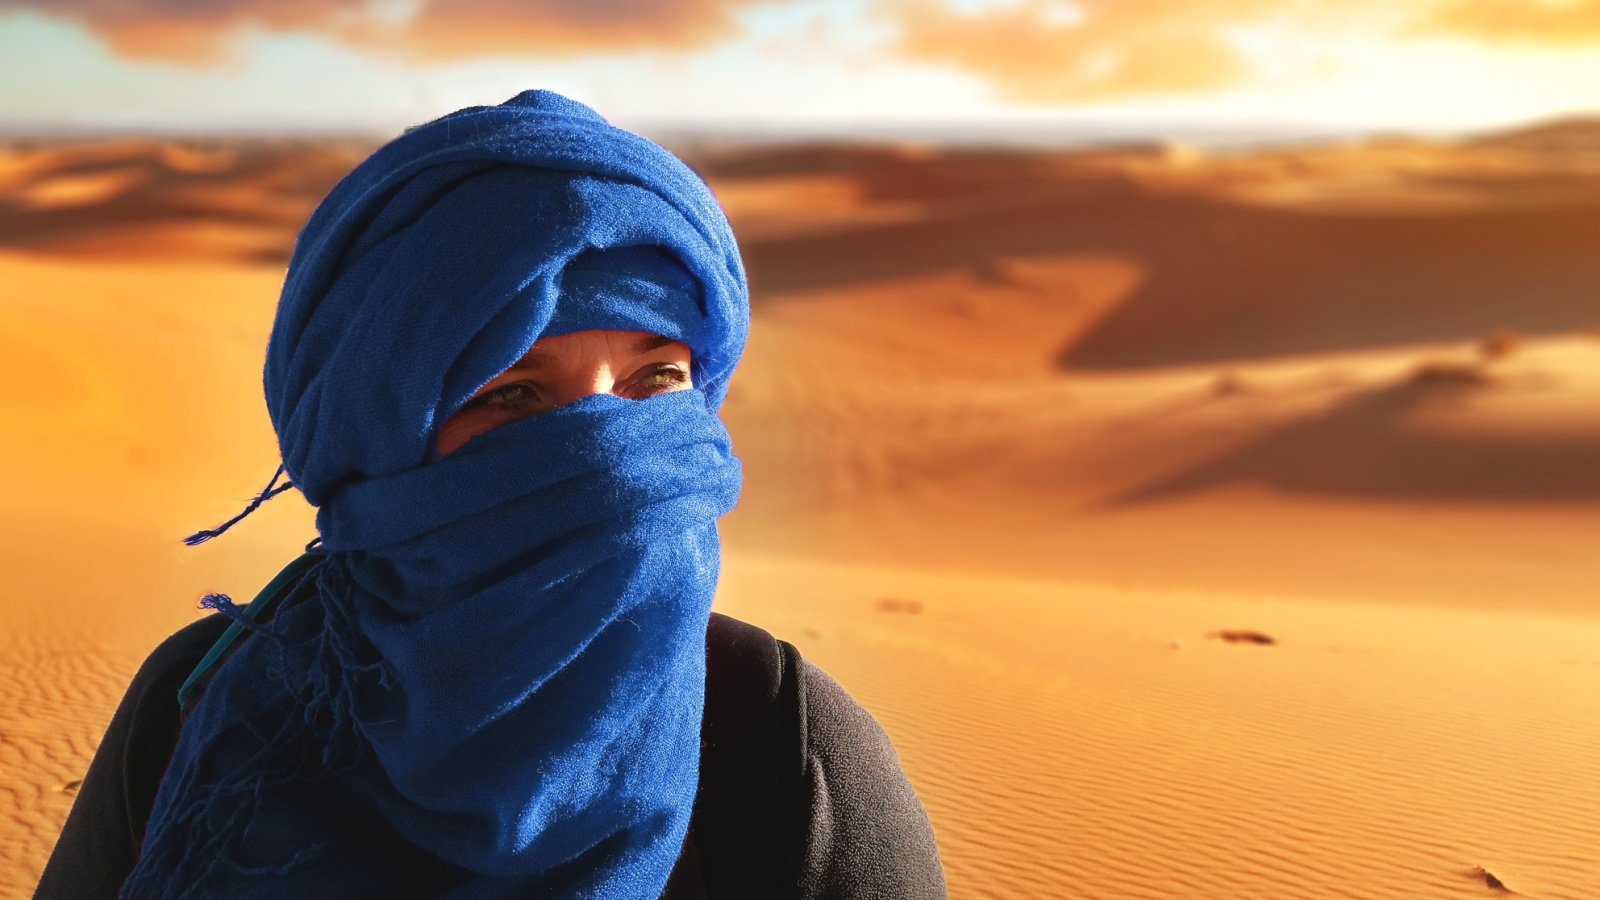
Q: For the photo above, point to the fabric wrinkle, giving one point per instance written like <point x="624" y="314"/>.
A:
<point x="496" y="686"/>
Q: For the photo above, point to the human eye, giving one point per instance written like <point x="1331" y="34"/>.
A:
<point x="517" y="397"/>
<point x="661" y="378"/>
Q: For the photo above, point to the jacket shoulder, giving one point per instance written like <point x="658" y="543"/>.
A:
<point x="868" y="833"/>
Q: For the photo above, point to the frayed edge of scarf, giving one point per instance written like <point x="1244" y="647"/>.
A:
<point x="307" y="738"/>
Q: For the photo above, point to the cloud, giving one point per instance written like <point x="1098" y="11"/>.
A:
<point x="1064" y="51"/>
<point x="1556" y="24"/>
<point x="445" y="29"/>
<point x="182" y="31"/>
<point x="1047" y="51"/>
<point x="200" y="33"/>
<point x="1039" y="51"/>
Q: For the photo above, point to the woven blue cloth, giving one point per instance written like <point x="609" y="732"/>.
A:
<point x="494" y="684"/>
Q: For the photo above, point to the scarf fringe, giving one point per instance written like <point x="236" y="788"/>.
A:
<point x="308" y="737"/>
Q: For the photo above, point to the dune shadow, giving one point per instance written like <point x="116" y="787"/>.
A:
<point x="267" y="186"/>
<point x="1369" y="447"/>
<point x="1227" y="280"/>
<point x="1277" y="282"/>
<point x="970" y="232"/>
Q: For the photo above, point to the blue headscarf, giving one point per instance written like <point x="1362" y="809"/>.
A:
<point x="494" y="684"/>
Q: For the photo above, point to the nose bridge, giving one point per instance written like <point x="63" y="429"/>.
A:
<point x="599" y="376"/>
<point x="592" y="374"/>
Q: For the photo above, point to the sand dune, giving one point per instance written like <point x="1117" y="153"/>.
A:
<point x="142" y="198"/>
<point x="1447" y="430"/>
<point x="1305" y="476"/>
<point x="1230" y="269"/>
<point x="1560" y="138"/>
<point x="1021" y="433"/>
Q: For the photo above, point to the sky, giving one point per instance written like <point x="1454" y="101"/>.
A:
<point x="824" y="66"/>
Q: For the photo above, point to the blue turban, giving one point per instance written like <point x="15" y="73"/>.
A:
<point x="492" y="683"/>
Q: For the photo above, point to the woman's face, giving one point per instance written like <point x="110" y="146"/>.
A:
<point x="558" y="370"/>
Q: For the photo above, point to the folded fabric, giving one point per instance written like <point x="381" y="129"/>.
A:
<point x="496" y="689"/>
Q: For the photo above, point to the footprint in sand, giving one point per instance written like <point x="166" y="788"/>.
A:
<point x="1243" y="637"/>
<point x="1489" y="880"/>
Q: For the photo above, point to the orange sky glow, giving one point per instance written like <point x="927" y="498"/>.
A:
<point x="1342" y="63"/>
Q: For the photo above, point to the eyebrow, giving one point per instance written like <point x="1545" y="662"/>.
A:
<point x="526" y="363"/>
<point x="650" y="342"/>
<point x="536" y="360"/>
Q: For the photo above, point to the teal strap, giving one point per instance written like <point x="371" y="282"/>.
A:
<point x="279" y="584"/>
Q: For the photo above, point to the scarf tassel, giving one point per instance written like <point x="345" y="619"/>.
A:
<point x="307" y="737"/>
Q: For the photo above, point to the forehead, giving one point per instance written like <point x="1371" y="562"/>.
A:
<point x="549" y="349"/>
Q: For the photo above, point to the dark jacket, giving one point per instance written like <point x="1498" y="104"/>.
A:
<point x="801" y="792"/>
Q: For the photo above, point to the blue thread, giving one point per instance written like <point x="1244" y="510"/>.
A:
<point x="200" y="537"/>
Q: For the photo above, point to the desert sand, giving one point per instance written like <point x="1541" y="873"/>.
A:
<point x="1197" y="524"/>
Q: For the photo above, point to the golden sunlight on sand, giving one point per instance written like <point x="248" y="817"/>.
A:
<point x="1197" y="526"/>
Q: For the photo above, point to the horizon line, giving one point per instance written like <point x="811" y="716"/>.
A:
<point x="1196" y="131"/>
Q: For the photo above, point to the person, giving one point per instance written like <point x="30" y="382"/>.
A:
<point x="495" y="370"/>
